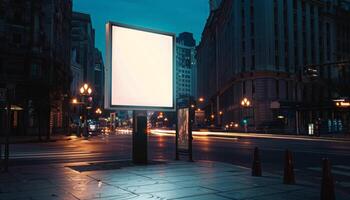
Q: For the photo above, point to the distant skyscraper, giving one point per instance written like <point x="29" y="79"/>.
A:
<point x="186" y="70"/>
<point x="214" y="4"/>
<point x="86" y="63"/>
<point x="99" y="79"/>
<point x="83" y="45"/>
<point x="257" y="50"/>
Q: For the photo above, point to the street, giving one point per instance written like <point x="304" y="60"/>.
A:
<point x="307" y="154"/>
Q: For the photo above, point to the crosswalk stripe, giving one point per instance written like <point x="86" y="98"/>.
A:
<point x="342" y="167"/>
<point x="334" y="171"/>
<point x="44" y="155"/>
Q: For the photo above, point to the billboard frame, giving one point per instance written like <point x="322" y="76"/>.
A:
<point x="108" y="70"/>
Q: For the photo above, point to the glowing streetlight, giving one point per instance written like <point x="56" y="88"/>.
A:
<point x="245" y="102"/>
<point x="86" y="86"/>
<point x="221" y="113"/>
<point x="82" y="90"/>
<point x="75" y="101"/>
<point x="98" y="111"/>
<point x="201" y="99"/>
<point x="85" y="89"/>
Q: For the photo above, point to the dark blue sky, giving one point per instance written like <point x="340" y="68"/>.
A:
<point x="166" y="15"/>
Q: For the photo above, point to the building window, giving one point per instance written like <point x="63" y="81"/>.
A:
<point x="296" y="56"/>
<point x="295" y="4"/>
<point x="276" y="31"/>
<point x="253" y="63"/>
<point x="243" y="64"/>
<point x="243" y="88"/>
<point x="328" y="41"/>
<point x="35" y="71"/>
<point x="16" y="38"/>
<point x="277" y="89"/>
<point x="243" y="31"/>
<point x="253" y="87"/>
<point x="243" y="46"/>
<point x="287" y="90"/>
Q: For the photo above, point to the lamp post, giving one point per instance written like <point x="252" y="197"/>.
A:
<point x="220" y="118"/>
<point x="245" y="103"/>
<point x="75" y="102"/>
<point x="85" y="92"/>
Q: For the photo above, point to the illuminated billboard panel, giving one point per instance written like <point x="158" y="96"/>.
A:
<point x="140" y="69"/>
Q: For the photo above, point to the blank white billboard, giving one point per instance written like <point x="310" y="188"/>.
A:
<point x="141" y="68"/>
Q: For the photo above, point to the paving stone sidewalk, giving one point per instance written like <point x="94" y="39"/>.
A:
<point x="171" y="180"/>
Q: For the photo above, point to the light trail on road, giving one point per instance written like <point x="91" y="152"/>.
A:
<point x="249" y="135"/>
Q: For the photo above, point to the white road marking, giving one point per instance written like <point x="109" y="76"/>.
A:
<point x="342" y="167"/>
<point x="54" y="155"/>
<point x="334" y="171"/>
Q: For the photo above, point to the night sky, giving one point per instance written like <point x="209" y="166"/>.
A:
<point x="166" y="15"/>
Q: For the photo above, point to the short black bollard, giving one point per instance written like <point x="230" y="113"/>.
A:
<point x="327" y="187"/>
<point x="288" y="177"/>
<point x="256" y="168"/>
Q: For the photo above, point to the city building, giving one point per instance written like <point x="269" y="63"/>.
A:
<point x="258" y="50"/>
<point x="83" y="46"/>
<point x="86" y="66"/>
<point x="186" y="70"/>
<point x="35" y="64"/>
<point x="77" y="74"/>
<point x="214" y="4"/>
<point x="99" y="80"/>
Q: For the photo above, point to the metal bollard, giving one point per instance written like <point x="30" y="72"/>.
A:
<point x="327" y="187"/>
<point x="288" y="177"/>
<point x="256" y="168"/>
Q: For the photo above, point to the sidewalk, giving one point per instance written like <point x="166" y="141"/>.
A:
<point x="171" y="180"/>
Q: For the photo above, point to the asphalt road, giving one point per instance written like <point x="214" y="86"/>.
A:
<point x="307" y="154"/>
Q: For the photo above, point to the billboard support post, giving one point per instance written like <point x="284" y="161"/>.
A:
<point x="139" y="137"/>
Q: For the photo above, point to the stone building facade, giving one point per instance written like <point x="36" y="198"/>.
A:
<point x="258" y="50"/>
<point x="35" y="62"/>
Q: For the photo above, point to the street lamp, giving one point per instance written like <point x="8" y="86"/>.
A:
<point x="98" y="111"/>
<point x="245" y="104"/>
<point x="75" y="101"/>
<point x="85" y="91"/>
